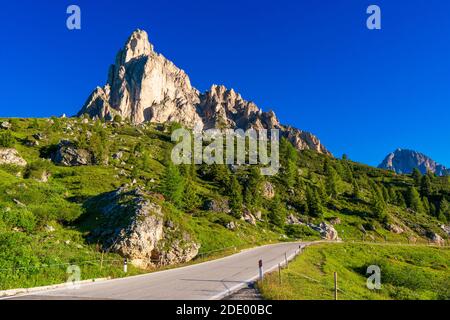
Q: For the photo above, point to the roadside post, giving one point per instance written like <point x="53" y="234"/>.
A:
<point x="286" y="260"/>
<point x="261" y="271"/>
<point x="125" y="266"/>
<point x="279" y="272"/>
<point x="335" y="286"/>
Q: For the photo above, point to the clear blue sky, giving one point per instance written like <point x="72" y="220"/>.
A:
<point x="364" y="93"/>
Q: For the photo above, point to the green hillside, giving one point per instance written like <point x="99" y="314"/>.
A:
<point x="407" y="272"/>
<point x="48" y="214"/>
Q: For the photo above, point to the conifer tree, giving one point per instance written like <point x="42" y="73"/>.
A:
<point x="416" y="175"/>
<point x="356" y="194"/>
<point x="378" y="206"/>
<point x="252" y="186"/>
<point x="444" y="210"/>
<point x="172" y="185"/>
<point x="191" y="200"/>
<point x="413" y="200"/>
<point x="331" y="182"/>
<point x="235" y="194"/>
<point x="313" y="203"/>
<point x="277" y="213"/>
<point x="425" y="186"/>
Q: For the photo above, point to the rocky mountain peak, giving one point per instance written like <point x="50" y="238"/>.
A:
<point x="136" y="46"/>
<point x="403" y="161"/>
<point x="145" y="86"/>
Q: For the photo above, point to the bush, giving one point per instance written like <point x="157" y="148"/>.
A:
<point x="117" y="118"/>
<point x="7" y="140"/>
<point x="19" y="218"/>
<point x="223" y="219"/>
<point x="299" y="231"/>
<point x="36" y="169"/>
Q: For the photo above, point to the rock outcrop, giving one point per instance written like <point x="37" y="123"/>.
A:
<point x="5" y="125"/>
<point x="435" y="238"/>
<point x="67" y="154"/>
<point x="394" y="228"/>
<point x="217" y="205"/>
<point x="267" y="190"/>
<point x="327" y="232"/>
<point x="11" y="156"/>
<point x="136" y="228"/>
<point x="446" y="229"/>
<point x="144" y="86"/>
<point x="405" y="161"/>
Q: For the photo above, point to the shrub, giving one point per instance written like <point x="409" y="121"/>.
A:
<point x="223" y="219"/>
<point x="19" y="218"/>
<point x="299" y="231"/>
<point x="36" y="169"/>
<point x="7" y="140"/>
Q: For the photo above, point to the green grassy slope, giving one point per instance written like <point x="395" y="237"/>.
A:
<point x="310" y="186"/>
<point x="407" y="272"/>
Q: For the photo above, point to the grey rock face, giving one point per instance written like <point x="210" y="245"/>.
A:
<point x="137" y="229"/>
<point x="11" y="156"/>
<point x="404" y="161"/>
<point x="292" y="220"/>
<point x="327" y="232"/>
<point x="395" y="228"/>
<point x="144" y="86"/>
<point x="435" y="238"/>
<point x="5" y="125"/>
<point x="67" y="154"/>
<point x="217" y="205"/>
<point x="446" y="229"/>
<point x="248" y="217"/>
<point x="268" y="191"/>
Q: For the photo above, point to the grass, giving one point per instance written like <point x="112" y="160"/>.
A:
<point x="408" y="272"/>
<point x="30" y="255"/>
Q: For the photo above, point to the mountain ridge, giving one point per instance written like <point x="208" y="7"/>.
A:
<point x="404" y="161"/>
<point x="144" y="86"/>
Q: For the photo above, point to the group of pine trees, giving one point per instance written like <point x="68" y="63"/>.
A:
<point x="309" y="194"/>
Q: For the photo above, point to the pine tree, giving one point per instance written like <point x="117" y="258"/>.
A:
<point x="331" y="182"/>
<point x="385" y="194"/>
<point x="400" y="199"/>
<point x="172" y="186"/>
<point x="379" y="206"/>
<point x="425" y="186"/>
<point x="416" y="175"/>
<point x="426" y="205"/>
<point x="235" y="194"/>
<point x="191" y="200"/>
<point x="444" y="210"/>
<point x="356" y="194"/>
<point x="313" y="204"/>
<point x="277" y="213"/>
<point x="252" y="186"/>
<point x="288" y="161"/>
<point x="392" y="195"/>
<point x="413" y="200"/>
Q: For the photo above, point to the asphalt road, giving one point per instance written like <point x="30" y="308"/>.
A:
<point x="206" y="281"/>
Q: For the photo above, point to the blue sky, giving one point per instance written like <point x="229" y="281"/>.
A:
<point x="363" y="93"/>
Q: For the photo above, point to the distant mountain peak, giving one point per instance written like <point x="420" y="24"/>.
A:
<point x="145" y="86"/>
<point x="403" y="161"/>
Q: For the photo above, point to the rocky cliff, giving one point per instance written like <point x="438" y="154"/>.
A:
<point x="144" y="86"/>
<point x="404" y="161"/>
